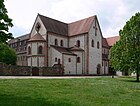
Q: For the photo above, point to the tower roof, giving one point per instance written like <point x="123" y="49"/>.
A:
<point x="37" y="37"/>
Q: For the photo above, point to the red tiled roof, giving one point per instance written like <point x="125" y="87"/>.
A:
<point x="54" y="26"/>
<point x="63" y="50"/>
<point x="21" y="38"/>
<point x="74" y="28"/>
<point x="75" y="48"/>
<point x="112" y="40"/>
<point x="104" y="43"/>
<point x="80" y="27"/>
<point x="37" y="37"/>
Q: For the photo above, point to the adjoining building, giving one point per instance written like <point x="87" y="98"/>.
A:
<point x="78" y="46"/>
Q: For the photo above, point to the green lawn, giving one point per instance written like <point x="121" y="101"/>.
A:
<point x="70" y="92"/>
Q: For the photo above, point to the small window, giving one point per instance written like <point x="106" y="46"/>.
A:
<point x="106" y="63"/>
<point x="29" y="50"/>
<point x="78" y="59"/>
<point x="92" y="43"/>
<point x="40" y="50"/>
<point x="78" y="43"/>
<point x="102" y="63"/>
<point x="56" y="42"/>
<point x="61" y="43"/>
<point x="69" y="59"/>
<point x="55" y="59"/>
<point x="38" y="26"/>
<point x="98" y="45"/>
<point x="58" y="61"/>
<point x="96" y="31"/>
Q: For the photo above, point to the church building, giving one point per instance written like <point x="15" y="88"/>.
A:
<point x="78" y="46"/>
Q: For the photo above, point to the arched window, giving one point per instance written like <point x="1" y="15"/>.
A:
<point x="69" y="59"/>
<point x="98" y="45"/>
<point x="58" y="61"/>
<point x="92" y="43"/>
<point x="29" y="50"/>
<point x="40" y="50"/>
<point x="55" y="59"/>
<point x="78" y="59"/>
<point x="61" y="43"/>
<point x="56" y="42"/>
<point x="78" y="43"/>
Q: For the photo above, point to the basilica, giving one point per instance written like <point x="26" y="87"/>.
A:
<point x="78" y="46"/>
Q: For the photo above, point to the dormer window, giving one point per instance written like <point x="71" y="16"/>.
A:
<point x="38" y="26"/>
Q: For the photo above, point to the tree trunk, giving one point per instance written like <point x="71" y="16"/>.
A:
<point x="137" y="76"/>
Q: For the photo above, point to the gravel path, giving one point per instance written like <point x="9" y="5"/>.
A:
<point x="48" y="77"/>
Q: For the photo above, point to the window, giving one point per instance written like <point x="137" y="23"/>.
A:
<point x="78" y="43"/>
<point x="106" y="63"/>
<point x="102" y="63"/>
<point x="29" y="50"/>
<point x="61" y="43"/>
<point x="69" y="59"/>
<point x="78" y="59"/>
<point x="56" y="42"/>
<point x="92" y="43"/>
<point x="55" y="59"/>
<point x="98" y="45"/>
<point x="38" y="26"/>
<point x="40" y="50"/>
<point x="58" y="61"/>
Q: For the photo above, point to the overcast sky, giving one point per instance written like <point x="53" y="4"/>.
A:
<point x="112" y="14"/>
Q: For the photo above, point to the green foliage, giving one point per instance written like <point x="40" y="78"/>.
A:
<point x="125" y="54"/>
<point x="5" y="23"/>
<point x="7" y="55"/>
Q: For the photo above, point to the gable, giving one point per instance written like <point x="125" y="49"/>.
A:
<point x="96" y="27"/>
<point x="42" y="30"/>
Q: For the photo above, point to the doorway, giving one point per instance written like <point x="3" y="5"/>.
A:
<point x="35" y="71"/>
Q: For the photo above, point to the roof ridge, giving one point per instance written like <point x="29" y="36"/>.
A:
<point x="22" y="35"/>
<point x="112" y="37"/>
<point x="81" y="19"/>
<point x="52" y="19"/>
<point x="35" y="37"/>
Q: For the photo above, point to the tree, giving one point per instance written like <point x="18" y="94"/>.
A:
<point x="7" y="55"/>
<point x="125" y="54"/>
<point x="5" y="23"/>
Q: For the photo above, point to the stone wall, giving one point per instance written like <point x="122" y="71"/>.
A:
<point x="9" y="70"/>
<point x="48" y="71"/>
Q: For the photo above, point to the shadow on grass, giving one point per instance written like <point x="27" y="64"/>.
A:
<point x="12" y="100"/>
<point x="129" y="79"/>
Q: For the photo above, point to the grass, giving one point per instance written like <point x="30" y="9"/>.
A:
<point x="70" y="92"/>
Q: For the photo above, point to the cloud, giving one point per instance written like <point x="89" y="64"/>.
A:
<point x="112" y="15"/>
